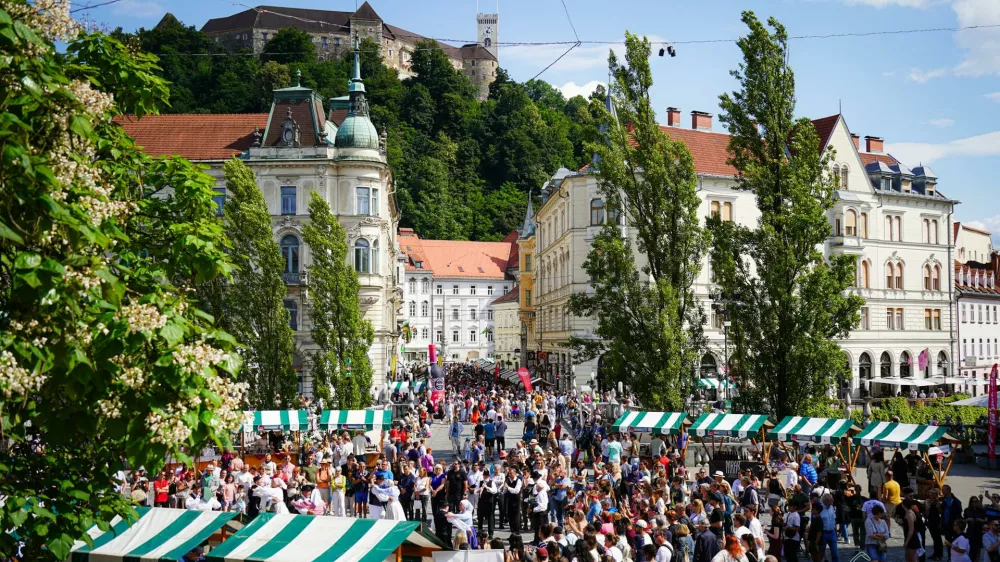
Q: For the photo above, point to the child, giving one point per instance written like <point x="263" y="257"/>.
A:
<point x="467" y="450"/>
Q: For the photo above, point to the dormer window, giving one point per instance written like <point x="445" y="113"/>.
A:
<point x="886" y="184"/>
<point x="928" y="188"/>
<point x="906" y="184"/>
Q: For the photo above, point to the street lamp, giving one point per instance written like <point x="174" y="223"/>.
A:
<point x="725" y="341"/>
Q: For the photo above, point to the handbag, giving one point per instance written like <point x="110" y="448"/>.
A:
<point x="881" y="545"/>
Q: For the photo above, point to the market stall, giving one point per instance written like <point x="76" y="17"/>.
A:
<point x="653" y="423"/>
<point x="828" y="431"/>
<point x="260" y="422"/>
<point x="912" y="437"/>
<point x="719" y="427"/>
<point x="373" y="422"/>
<point x="306" y="538"/>
<point x="159" y="534"/>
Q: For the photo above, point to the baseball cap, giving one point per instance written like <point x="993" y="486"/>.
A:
<point x="641" y="524"/>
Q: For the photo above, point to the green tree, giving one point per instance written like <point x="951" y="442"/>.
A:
<point x="289" y="46"/>
<point x="340" y="330"/>
<point x="251" y="306"/>
<point x="103" y="359"/>
<point x="789" y="304"/>
<point x="648" y="320"/>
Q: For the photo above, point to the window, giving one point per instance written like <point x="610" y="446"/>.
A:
<point x="264" y="36"/>
<point x="336" y="43"/>
<point x="927" y="231"/>
<point x="527" y="262"/>
<point x="994" y="314"/>
<point x="413" y="286"/>
<point x="727" y="212"/>
<point x="454" y="314"/>
<point x="890" y="322"/>
<point x="899" y="228"/>
<point x="472" y="290"/>
<point x="886" y="184"/>
<point x="899" y="319"/>
<point x="965" y="347"/>
<point x="472" y="313"/>
<point x="439" y="314"/>
<point x="927" y="278"/>
<point x="290" y="253"/>
<point x="865" y="321"/>
<point x="527" y="297"/>
<point x="980" y="347"/>
<point x="293" y="314"/>
<point x="288" y="200"/>
<point x="851" y="223"/>
<point x="219" y="199"/>
<point x="437" y="335"/>
<point x="506" y="289"/>
<point x="889" y="234"/>
<point x="934" y="231"/>
<point x="899" y="276"/>
<point x="865" y="277"/>
<point x="472" y="335"/>
<point x="890" y="275"/>
<point x="714" y="209"/>
<point x="489" y="289"/>
<point x="439" y="290"/>
<point x="454" y="289"/>
<point x="905" y="367"/>
<point x="928" y="322"/>
<point x="366" y="201"/>
<point x="425" y="286"/>
<point x="717" y="320"/>
<point x="425" y="309"/>
<point x="489" y="337"/>
<point x="964" y="318"/>
<point x="937" y="318"/>
<point x="323" y="41"/>
<point x="454" y="336"/>
<point x="864" y="225"/>
<point x="362" y="256"/>
<point x="936" y="278"/>
<point x="843" y="178"/>
<point x="597" y="215"/>
<point x="424" y="332"/>
<point x="413" y="309"/>
<point x="489" y="314"/>
<point x="980" y="308"/>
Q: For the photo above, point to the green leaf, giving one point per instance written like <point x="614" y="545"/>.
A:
<point x="27" y="260"/>
<point x="61" y="546"/>
<point x="80" y="125"/>
<point x="6" y="232"/>
<point x="172" y="333"/>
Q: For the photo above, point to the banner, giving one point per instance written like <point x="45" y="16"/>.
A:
<point x="435" y="377"/>
<point x="525" y="377"/>
<point x="496" y="372"/>
<point x="393" y="377"/>
<point x="923" y="359"/>
<point x="991" y="435"/>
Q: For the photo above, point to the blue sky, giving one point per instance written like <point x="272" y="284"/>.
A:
<point x="933" y="97"/>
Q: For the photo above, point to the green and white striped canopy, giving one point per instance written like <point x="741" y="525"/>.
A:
<point x="269" y="420"/>
<point x="663" y="423"/>
<point x="304" y="538"/>
<point x="159" y="534"/>
<point x="902" y="435"/>
<point x="819" y="430"/>
<point x="419" y="386"/>
<point x="368" y="420"/>
<point x="399" y="386"/>
<point x="735" y="425"/>
<point x="714" y="384"/>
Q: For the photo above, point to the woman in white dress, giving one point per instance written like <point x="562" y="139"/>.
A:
<point x="389" y="493"/>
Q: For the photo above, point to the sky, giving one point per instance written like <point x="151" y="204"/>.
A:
<point x="934" y="97"/>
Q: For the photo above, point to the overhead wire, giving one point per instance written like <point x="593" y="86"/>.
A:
<point x="92" y="6"/>
<point x="573" y="46"/>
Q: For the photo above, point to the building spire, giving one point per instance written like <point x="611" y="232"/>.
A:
<point x="528" y="228"/>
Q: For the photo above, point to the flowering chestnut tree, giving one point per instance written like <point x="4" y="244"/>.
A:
<point x="103" y="363"/>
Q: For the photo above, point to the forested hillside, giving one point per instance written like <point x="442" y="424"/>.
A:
<point x="463" y="167"/>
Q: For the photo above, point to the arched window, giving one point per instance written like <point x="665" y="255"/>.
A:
<point x="708" y="365"/>
<point x="293" y="313"/>
<point x="927" y="278"/>
<point x="865" y="367"/>
<point x="374" y="259"/>
<point x="890" y="276"/>
<point x="942" y="364"/>
<point x="885" y="365"/>
<point x="487" y="42"/>
<point x="843" y="177"/>
<point x="290" y="253"/>
<point x="413" y="309"/>
<point x="936" y="278"/>
<point x="413" y="286"/>
<point x="425" y="286"/>
<point x="865" y="277"/>
<point x="362" y="256"/>
<point x="899" y="276"/>
<point x="835" y="174"/>
<point x="851" y="223"/>
<point x="905" y="371"/>
<point x="425" y="309"/>
<point x="597" y="214"/>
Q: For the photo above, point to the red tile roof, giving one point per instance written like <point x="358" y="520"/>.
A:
<point x="196" y="137"/>
<point x="869" y="157"/>
<point x="824" y="128"/>
<point x="514" y="260"/>
<point x="456" y="258"/>
<point x="512" y="296"/>
<point x="709" y="149"/>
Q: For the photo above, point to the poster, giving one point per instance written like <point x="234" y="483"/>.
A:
<point x="991" y="432"/>
<point x="525" y="377"/>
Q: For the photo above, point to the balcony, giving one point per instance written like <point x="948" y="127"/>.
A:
<point x="293" y="278"/>
<point x="847" y="244"/>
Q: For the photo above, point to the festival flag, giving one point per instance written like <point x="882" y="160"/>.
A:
<point x="525" y="377"/>
<point x="991" y="435"/>
<point x="496" y="372"/>
<point x="923" y="359"/>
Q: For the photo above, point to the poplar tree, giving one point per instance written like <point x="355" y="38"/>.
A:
<point x="340" y="331"/>
<point x="787" y="303"/>
<point x="649" y="325"/>
<point x="254" y="309"/>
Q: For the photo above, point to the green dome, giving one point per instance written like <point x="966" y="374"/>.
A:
<point x="357" y="131"/>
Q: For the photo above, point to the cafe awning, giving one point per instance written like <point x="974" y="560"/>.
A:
<point x="419" y="386"/>
<point x="735" y="425"/>
<point x="305" y="538"/>
<point x="159" y="534"/>
<point x="911" y="381"/>
<point x="368" y="420"/>
<point x="902" y="435"/>
<point x="659" y="423"/>
<point x="272" y="420"/>
<point x="819" y="430"/>
<point x="714" y="384"/>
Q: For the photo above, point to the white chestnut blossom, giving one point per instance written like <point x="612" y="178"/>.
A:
<point x="110" y="407"/>
<point x="16" y="380"/>
<point x="132" y="377"/>
<point x="195" y="358"/>
<point x="142" y="318"/>
<point x="167" y="426"/>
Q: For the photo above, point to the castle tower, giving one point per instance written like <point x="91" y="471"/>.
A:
<point x="487" y="26"/>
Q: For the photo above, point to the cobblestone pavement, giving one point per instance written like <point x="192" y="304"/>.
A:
<point x="966" y="480"/>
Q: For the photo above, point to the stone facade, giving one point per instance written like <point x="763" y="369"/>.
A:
<point x="977" y="301"/>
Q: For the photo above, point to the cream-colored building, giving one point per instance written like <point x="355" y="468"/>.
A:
<point x="298" y="149"/>
<point x="507" y="330"/>
<point x="892" y="218"/>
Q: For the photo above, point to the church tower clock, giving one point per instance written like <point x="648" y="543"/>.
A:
<point x="487" y="25"/>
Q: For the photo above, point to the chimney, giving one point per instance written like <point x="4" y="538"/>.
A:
<point x="673" y="117"/>
<point x="873" y="144"/>
<point x="857" y="141"/>
<point x="701" y="121"/>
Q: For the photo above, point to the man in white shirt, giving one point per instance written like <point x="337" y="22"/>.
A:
<point x="756" y="529"/>
<point x="664" y="550"/>
<point x="475" y="479"/>
<point x="539" y="513"/>
<point x="360" y="442"/>
<point x="268" y="467"/>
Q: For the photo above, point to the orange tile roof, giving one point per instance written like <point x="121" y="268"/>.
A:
<point x="824" y="128"/>
<point x="196" y="137"/>
<point x="869" y="157"/>
<point x="512" y="296"/>
<point x="456" y="258"/>
<point x="709" y="149"/>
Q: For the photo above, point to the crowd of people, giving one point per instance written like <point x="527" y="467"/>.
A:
<point x="568" y="488"/>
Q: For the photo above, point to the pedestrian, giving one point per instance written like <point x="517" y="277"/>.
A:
<point x="877" y="534"/>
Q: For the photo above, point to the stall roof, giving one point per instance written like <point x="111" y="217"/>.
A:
<point x="737" y="425"/>
<point x="911" y="381"/>
<point x="159" y="534"/>
<point x="419" y="386"/>
<point x="663" y="423"/>
<point x="305" y="538"/>
<point x="715" y="384"/>
<point x="819" y="430"/>
<point x="356" y="419"/>
<point x="399" y="386"/>
<point x="903" y="435"/>
<point x="268" y="420"/>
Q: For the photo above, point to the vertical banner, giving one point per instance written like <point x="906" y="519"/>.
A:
<point x="991" y="435"/>
<point x="435" y="376"/>
<point x="393" y="367"/>
<point x="496" y="372"/>
<point x="525" y="377"/>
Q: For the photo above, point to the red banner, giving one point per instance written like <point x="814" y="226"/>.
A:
<point x="496" y="372"/>
<point x="991" y="435"/>
<point x="525" y="377"/>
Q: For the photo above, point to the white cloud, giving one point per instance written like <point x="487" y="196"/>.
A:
<point x="982" y="45"/>
<point x="922" y="77"/>
<point x="943" y="122"/>
<point x="995" y="96"/>
<point x="914" y="153"/>
<point x="571" y="89"/>
<point x="137" y="8"/>
<point x="887" y="3"/>
<point x="579" y="59"/>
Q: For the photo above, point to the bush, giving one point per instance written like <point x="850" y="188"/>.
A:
<point x="922" y="412"/>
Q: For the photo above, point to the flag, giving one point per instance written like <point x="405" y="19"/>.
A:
<point x="496" y="372"/>
<point x="525" y="377"/>
<point x="923" y="359"/>
<point x="991" y="435"/>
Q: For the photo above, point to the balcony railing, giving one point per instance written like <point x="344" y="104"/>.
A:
<point x="292" y="278"/>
